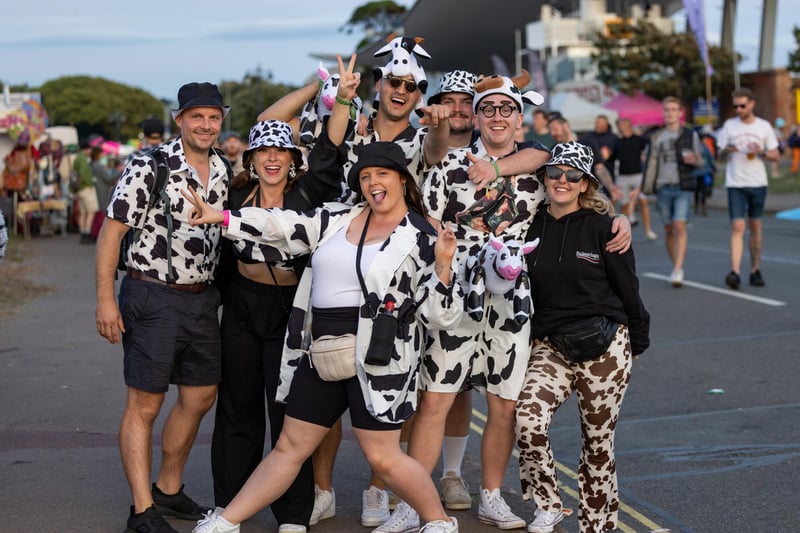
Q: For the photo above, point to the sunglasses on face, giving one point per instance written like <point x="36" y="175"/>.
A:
<point x="489" y="110"/>
<point x="573" y="176"/>
<point x="411" y="86"/>
<point x="739" y="106"/>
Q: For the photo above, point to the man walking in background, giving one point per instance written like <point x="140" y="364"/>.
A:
<point x="748" y="141"/>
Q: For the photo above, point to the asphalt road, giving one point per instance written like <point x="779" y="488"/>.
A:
<point x="688" y="460"/>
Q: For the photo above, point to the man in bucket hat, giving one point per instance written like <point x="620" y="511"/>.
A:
<point x="167" y="313"/>
<point x="495" y="350"/>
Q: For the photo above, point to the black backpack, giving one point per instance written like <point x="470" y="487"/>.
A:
<point x="158" y="191"/>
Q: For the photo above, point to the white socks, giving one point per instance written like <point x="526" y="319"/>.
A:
<point x="453" y="449"/>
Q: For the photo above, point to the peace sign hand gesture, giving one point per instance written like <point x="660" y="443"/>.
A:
<point x="201" y="212"/>
<point x="348" y="80"/>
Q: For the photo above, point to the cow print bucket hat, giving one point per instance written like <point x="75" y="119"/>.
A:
<point x="272" y="133"/>
<point x="576" y="155"/>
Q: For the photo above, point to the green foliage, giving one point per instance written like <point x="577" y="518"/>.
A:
<point x="794" y="57"/>
<point x="640" y="57"/>
<point x="93" y="105"/>
<point x="374" y="19"/>
<point x="249" y="98"/>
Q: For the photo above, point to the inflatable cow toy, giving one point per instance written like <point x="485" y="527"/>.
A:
<point x="498" y="269"/>
<point x="317" y="110"/>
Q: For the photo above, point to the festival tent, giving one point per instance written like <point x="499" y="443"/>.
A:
<point x="641" y="109"/>
<point x="580" y="113"/>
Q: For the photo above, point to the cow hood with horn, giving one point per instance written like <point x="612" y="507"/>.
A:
<point x="511" y="87"/>
<point x="404" y="52"/>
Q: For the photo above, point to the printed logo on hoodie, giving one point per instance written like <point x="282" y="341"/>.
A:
<point x="589" y="257"/>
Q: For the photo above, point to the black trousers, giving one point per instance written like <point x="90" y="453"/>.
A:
<point x="253" y="326"/>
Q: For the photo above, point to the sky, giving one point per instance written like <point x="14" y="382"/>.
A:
<point x="158" y="46"/>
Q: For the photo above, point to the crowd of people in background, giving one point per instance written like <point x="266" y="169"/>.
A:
<point x="260" y="229"/>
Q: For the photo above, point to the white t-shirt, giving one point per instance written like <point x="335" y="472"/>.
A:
<point x="334" y="281"/>
<point x="741" y="171"/>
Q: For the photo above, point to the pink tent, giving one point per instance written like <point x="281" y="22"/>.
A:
<point x="641" y="109"/>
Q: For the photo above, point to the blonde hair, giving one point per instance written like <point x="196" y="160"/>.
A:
<point x="595" y="200"/>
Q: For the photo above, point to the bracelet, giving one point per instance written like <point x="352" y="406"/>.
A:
<point x="496" y="168"/>
<point x="226" y="217"/>
<point x="342" y="101"/>
<point x="620" y="215"/>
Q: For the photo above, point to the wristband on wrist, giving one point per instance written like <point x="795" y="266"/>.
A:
<point x="226" y="217"/>
<point x="496" y="168"/>
<point x="342" y="101"/>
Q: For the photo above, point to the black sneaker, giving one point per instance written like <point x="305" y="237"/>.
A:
<point x="178" y="505"/>
<point x="756" y="280"/>
<point x="732" y="280"/>
<point x="149" y="521"/>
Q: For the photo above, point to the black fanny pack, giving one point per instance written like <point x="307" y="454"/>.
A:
<point x="585" y="339"/>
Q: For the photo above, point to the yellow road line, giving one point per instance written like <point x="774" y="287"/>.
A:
<point x="627" y="509"/>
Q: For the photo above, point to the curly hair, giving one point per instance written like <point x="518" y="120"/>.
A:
<point x="595" y="200"/>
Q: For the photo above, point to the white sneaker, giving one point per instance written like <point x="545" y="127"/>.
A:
<point x="214" y="523"/>
<point x="455" y="494"/>
<point x="374" y="507"/>
<point x="441" y="526"/>
<point x="651" y="235"/>
<point x="292" y="528"/>
<point x="676" y="278"/>
<point x="324" y="505"/>
<point x="494" y="510"/>
<point x="544" y="521"/>
<point x="404" y="519"/>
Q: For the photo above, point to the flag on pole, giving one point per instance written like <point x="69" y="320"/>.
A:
<point x="695" y="15"/>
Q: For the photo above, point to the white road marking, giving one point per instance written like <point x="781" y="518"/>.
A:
<point x="726" y="292"/>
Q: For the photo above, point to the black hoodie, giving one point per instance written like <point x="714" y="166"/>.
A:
<point x="573" y="277"/>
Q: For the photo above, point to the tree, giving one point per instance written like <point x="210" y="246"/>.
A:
<point x="794" y="57"/>
<point x="97" y="105"/>
<point x="248" y="98"/>
<point x="640" y="57"/>
<point x="375" y="19"/>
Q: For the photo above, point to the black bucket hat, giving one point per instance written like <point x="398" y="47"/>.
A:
<point x="378" y="154"/>
<point x="199" y="95"/>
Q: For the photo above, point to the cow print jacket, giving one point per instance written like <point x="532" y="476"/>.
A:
<point x="402" y="271"/>
<point x="195" y="249"/>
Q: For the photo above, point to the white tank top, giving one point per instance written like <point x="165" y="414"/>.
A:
<point x="333" y="265"/>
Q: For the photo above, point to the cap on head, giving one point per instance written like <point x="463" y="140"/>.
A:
<point x="511" y="87"/>
<point x="153" y="127"/>
<point x="378" y="154"/>
<point x="456" y="81"/>
<point x="199" y="95"/>
<point x="576" y="155"/>
<point x="272" y="133"/>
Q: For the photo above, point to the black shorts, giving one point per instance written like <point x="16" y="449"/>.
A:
<point x="170" y="336"/>
<point x="320" y="402"/>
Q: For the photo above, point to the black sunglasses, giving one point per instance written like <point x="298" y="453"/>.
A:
<point x="489" y="110"/>
<point x="554" y="173"/>
<point x="739" y="106"/>
<point x="411" y="86"/>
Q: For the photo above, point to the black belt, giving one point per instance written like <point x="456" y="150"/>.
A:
<point x="194" y="288"/>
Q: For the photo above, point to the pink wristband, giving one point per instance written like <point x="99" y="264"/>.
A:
<point x="226" y="218"/>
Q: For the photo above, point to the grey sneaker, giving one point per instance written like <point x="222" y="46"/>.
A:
<point x="441" y="526"/>
<point x="214" y="523"/>
<point x="455" y="493"/>
<point x="494" y="510"/>
<point x="374" y="507"/>
<point x="544" y="521"/>
<point x="324" y="505"/>
<point x="404" y="519"/>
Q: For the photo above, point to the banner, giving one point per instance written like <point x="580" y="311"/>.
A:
<point x="696" y="18"/>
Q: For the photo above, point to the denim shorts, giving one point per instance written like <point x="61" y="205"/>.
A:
<point x="751" y="199"/>
<point x="674" y="204"/>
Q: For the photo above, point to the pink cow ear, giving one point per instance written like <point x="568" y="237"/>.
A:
<point x="322" y="72"/>
<point x="496" y="244"/>
<point x="528" y="247"/>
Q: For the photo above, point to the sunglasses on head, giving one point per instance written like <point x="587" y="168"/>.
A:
<point x="573" y="176"/>
<point x="411" y="86"/>
<point x="489" y="110"/>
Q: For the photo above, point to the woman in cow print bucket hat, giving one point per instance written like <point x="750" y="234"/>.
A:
<point x="579" y="289"/>
<point x="257" y="297"/>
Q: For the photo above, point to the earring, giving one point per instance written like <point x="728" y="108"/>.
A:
<point x="253" y="173"/>
<point x="404" y="189"/>
<point x="292" y="171"/>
